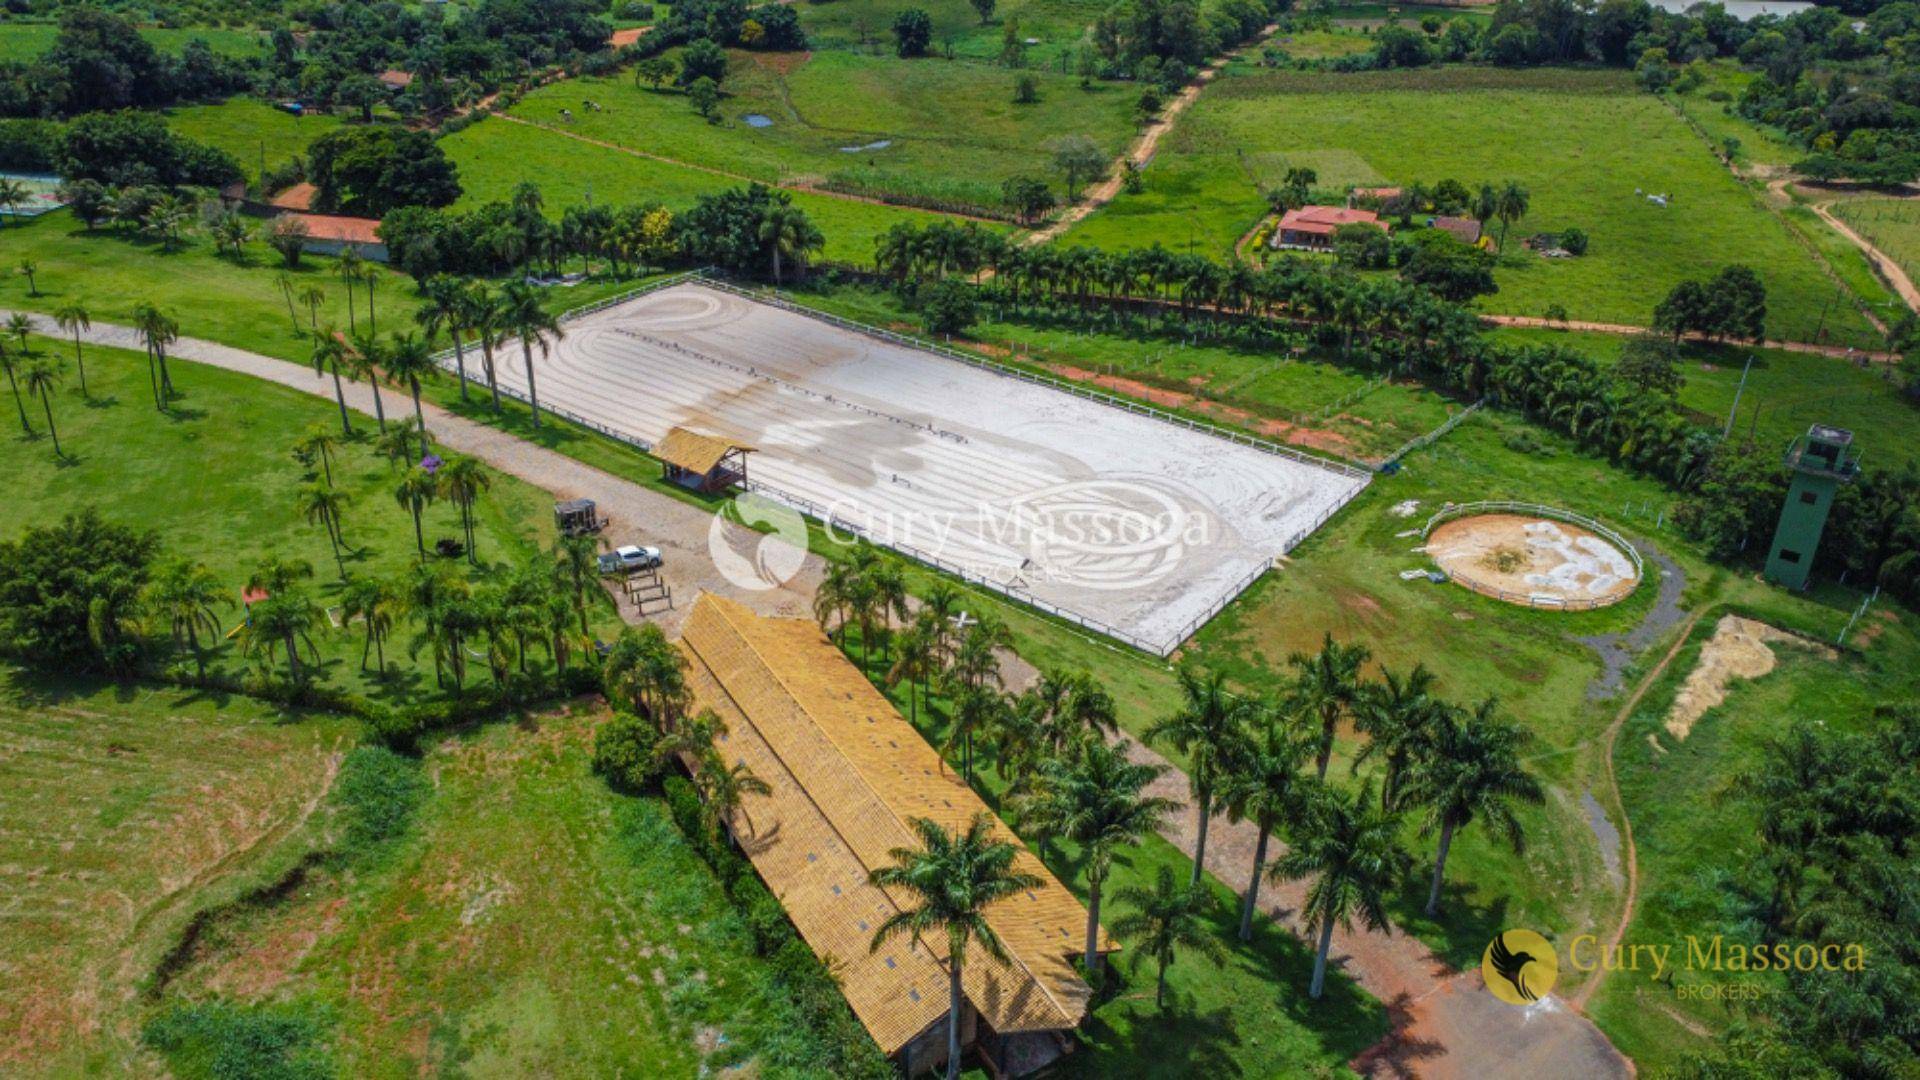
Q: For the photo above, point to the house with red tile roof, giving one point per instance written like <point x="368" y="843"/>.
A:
<point x="1313" y="226"/>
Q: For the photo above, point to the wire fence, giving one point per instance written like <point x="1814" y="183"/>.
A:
<point x="1421" y="441"/>
<point x="1540" y="600"/>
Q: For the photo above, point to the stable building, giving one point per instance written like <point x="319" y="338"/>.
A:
<point x="706" y="463"/>
<point x="847" y="773"/>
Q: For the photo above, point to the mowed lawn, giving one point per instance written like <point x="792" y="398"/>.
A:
<point x="127" y="808"/>
<point x="923" y="128"/>
<point x="1697" y="845"/>
<point x="255" y="133"/>
<point x="216" y="479"/>
<point x="495" y="156"/>
<point x="1588" y="145"/>
<point x="529" y="922"/>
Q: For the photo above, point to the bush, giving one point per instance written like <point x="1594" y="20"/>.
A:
<point x="948" y="307"/>
<point x="377" y="795"/>
<point x="1574" y="241"/>
<point x="29" y="145"/>
<point x="224" y="1041"/>
<point x="625" y="753"/>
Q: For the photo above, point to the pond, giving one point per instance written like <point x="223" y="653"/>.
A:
<point x="758" y="120"/>
<point x="877" y="144"/>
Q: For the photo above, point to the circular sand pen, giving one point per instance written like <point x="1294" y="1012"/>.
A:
<point x="1538" y="556"/>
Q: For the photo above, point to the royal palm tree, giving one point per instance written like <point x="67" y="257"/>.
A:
<point x="73" y="319"/>
<point x="42" y="379"/>
<point x="1396" y="715"/>
<point x="1208" y="728"/>
<point x="462" y="481"/>
<point x="1263" y="785"/>
<point x="329" y="353"/>
<point x="445" y="310"/>
<point x="11" y="362"/>
<point x="364" y="360"/>
<point x="576" y="560"/>
<point x="976" y="710"/>
<point x="523" y="317"/>
<point x="1510" y="206"/>
<point x="951" y="881"/>
<point x="284" y="621"/>
<point x="319" y="444"/>
<point x="1470" y="771"/>
<point x="1165" y="919"/>
<point x="1098" y="799"/>
<point x="321" y="504"/>
<point x="416" y="490"/>
<point x="1348" y="846"/>
<point x="914" y="662"/>
<point x="485" y="313"/>
<point x="1327" y="684"/>
<point x="373" y="602"/>
<point x="347" y="266"/>
<point x="788" y="234"/>
<point x="313" y="296"/>
<point x="184" y="593"/>
<point x="409" y="362"/>
<point x="157" y="329"/>
<point x="1067" y="704"/>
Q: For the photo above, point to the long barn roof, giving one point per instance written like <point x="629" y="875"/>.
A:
<point x="847" y="773"/>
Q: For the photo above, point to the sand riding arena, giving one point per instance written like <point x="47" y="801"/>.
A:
<point x="1533" y="555"/>
<point x="1136" y="524"/>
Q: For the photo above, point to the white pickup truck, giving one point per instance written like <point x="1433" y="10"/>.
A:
<point x="625" y="560"/>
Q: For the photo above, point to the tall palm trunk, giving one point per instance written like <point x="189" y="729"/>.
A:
<point x="1319" y="983"/>
<point x="1440" y="866"/>
<point x="1251" y="901"/>
<point x="533" y="397"/>
<point x="1205" y="810"/>
<point x="1327" y="722"/>
<point x="46" y="403"/>
<point x="1093" y="926"/>
<point x="80" y="362"/>
<point x="460" y="362"/>
<point x="954" y="998"/>
<point x="18" y="403"/>
<point x="486" y="359"/>
<point x="379" y="407"/>
<point x="419" y="534"/>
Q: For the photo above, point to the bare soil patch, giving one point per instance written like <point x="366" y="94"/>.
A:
<point x="1740" y="648"/>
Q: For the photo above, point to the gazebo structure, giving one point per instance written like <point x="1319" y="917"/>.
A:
<point x="702" y="462"/>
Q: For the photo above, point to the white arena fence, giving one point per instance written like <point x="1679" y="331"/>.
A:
<point x="1502" y="506"/>
<point x="447" y="360"/>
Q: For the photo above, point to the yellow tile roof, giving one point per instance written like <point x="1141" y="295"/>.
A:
<point x="695" y="451"/>
<point x="847" y="773"/>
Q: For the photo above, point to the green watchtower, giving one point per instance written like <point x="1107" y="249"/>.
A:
<point x="1821" y="461"/>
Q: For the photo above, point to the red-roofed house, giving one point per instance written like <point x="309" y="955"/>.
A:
<point x="1314" y="226"/>
<point x="328" y="234"/>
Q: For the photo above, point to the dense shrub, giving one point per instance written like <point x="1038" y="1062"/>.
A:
<point x="377" y="794"/>
<point x="625" y="753"/>
<point x="30" y="145"/>
<point x="219" y="1040"/>
<point x="69" y="592"/>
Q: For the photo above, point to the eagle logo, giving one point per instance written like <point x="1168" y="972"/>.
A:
<point x="1519" y="967"/>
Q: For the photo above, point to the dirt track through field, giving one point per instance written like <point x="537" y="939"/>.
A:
<point x="1838" y="352"/>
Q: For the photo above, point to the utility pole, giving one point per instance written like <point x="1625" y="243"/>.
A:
<point x="1737" y="391"/>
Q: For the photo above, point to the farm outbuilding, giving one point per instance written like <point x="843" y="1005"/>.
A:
<point x="1314" y="226"/>
<point x="702" y="462"/>
<point x="847" y="775"/>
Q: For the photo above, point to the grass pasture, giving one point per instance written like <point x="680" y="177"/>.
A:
<point x="1890" y="224"/>
<point x="255" y="133"/>
<point x="1582" y="142"/>
<point x="227" y="441"/>
<point x="1049" y="30"/>
<point x="22" y="41"/>
<point x="142" y="804"/>
<point x="831" y="112"/>
<point x="496" y="155"/>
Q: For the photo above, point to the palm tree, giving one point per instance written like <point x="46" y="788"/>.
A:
<point x="1327" y="684"/>
<point x="1209" y="728"/>
<point x="1347" y="845"/>
<point x="646" y="670"/>
<point x="954" y="879"/>
<point x="284" y="283"/>
<point x="10" y="362"/>
<point x="321" y="504"/>
<point x="576" y="559"/>
<point x="1510" y="206"/>
<point x="446" y="310"/>
<point x="348" y="267"/>
<point x="28" y="268"/>
<point x="914" y="662"/>
<point x="157" y="329"/>
<point x="485" y="311"/>
<point x="318" y="444"/>
<point x="364" y="359"/>
<point x="313" y="296"/>
<point x="1066" y="705"/>
<point x="1165" y="919"/>
<point x="788" y="234"/>
<point x="12" y="194"/>
<point x="462" y="480"/>
<point x="1396" y="716"/>
<point x="43" y="378"/>
<point x="74" y="319"/>
<point x="183" y="593"/>
<point x="1471" y="771"/>
<point x="1263" y="785"/>
<point x="976" y="709"/>
<point x="524" y="318"/>
<point x="416" y="490"/>
<point x="1097" y="799"/>
<point x="283" y="621"/>
<point x="372" y="601"/>
<point x="329" y="352"/>
<point x="409" y="361"/>
<point x="725" y="788"/>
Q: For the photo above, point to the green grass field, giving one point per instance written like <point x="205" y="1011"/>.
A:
<point x="1582" y="142"/>
<point x="1892" y="225"/>
<point x="1049" y="30"/>
<point x="143" y="803"/>
<point x="254" y="132"/>
<point x="1786" y="393"/>
<point x="1694" y="843"/>
<point x="1714" y="107"/>
<point x="931" y="114"/>
<point x="595" y="941"/>
<point x="496" y="155"/>
<point x="26" y="41"/>
<point x="228" y="442"/>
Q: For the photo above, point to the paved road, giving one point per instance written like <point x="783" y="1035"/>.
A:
<point x="639" y="514"/>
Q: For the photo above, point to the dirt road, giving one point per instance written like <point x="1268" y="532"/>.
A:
<point x="1835" y="351"/>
